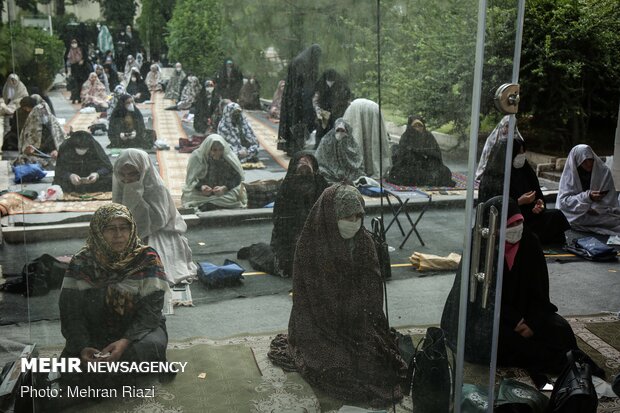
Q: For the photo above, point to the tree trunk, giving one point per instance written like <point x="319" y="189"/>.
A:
<point x="60" y="7"/>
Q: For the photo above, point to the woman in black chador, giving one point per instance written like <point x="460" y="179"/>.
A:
<point x="548" y="224"/>
<point x="127" y="129"/>
<point x="418" y="160"/>
<point x="229" y="81"/>
<point x="82" y="165"/>
<point x="297" y="114"/>
<point x="331" y="99"/>
<point x="531" y="333"/>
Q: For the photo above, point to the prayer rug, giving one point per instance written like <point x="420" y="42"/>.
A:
<point x="459" y="178"/>
<point x="238" y="376"/>
<point x="90" y="196"/>
<point x="268" y="138"/>
<point x="15" y="204"/>
<point x="253" y="165"/>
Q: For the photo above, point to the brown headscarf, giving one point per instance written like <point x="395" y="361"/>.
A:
<point x="338" y="334"/>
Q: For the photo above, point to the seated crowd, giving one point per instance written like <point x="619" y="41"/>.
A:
<point x="338" y="335"/>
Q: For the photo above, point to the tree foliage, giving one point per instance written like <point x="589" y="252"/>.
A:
<point x="118" y="13"/>
<point x="34" y="69"/>
<point x="571" y="76"/>
<point x="152" y="24"/>
<point x="196" y="36"/>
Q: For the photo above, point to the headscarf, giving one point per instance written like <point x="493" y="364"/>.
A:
<point x="69" y="162"/>
<point x="340" y="160"/>
<point x="297" y="113"/>
<point x="151" y="189"/>
<point x="189" y="93"/>
<point x="127" y="276"/>
<point x="119" y="91"/>
<point x="296" y="197"/>
<point x="364" y="117"/>
<point x="570" y="184"/>
<point x="103" y="77"/>
<point x="104" y="40"/>
<point x="174" y="84"/>
<point x="14" y="90"/>
<point x="238" y="136"/>
<point x="337" y="322"/>
<point x="93" y="91"/>
<point x="497" y="135"/>
<point x="276" y="102"/>
<point x="153" y="78"/>
<point x="197" y="168"/>
<point x="75" y="53"/>
<point x="249" y="95"/>
<point x="32" y="133"/>
<point x="130" y="64"/>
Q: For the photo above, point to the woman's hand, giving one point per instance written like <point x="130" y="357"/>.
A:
<point x="539" y="207"/>
<point x="597" y="196"/>
<point x="527" y="198"/>
<point x="54" y="154"/>
<point x="88" y="354"/>
<point x="206" y="189"/>
<point x="219" y="190"/>
<point x="75" y="179"/>
<point x="116" y="349"/>
<point x="523" y="329"/>
<point x="92" y="178"/>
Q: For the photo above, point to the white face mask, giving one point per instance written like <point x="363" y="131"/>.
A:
<point x="513" y="234"/>
<point x="348" y="229"/>
<point x="74" y="45"/>
<point x="519" y="161"/>
<point x="45" y="119"/>
<point x="179" y="69"/>
<point x="130" y="107"/>
<point x="210" y="89"/>
<point x="330" y="83"/>
<point x="340" y="135"/>
<point x="81" y="151"/>
<point x="251" y="81"/>
<point x="134" y="79"/>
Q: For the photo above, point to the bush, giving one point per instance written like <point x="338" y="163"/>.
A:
<point x="33" y="69"/>
<point x="196" y="36"/>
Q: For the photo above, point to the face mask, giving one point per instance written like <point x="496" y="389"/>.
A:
<point x="45" y="119"/>
<point x="179" y="70"/>
<point x="513" y="234"/>
<point x="74" y="45"/>
<point x="519" y="161"/>
<point x="348" y="229"/>
<point x="330" y="83"/>
<point x="251" y="81"/>
<point x="134" y="79"/>
<point x="81" y="151"/>
<point x="210" y="89"/>
<point x="130" y="107"/>
<point x="340" y="135"/>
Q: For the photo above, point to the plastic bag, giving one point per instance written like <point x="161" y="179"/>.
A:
<point x="53" y="193"/>
<point x="31" y="172"/>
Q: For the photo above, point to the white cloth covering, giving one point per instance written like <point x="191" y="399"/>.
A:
<point x="155" y="214"/>
<point x="584" y="214"/>
<point x="364" y="117"/>
<point x="498" y="134"/>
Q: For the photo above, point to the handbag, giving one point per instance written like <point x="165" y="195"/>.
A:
<point x="30" y="172"/>
<point x="573" y="391"/>
<point x="592" y="249"/>
<point x="432" y="384"/>
<point x="516" y="397"/>
<point x="218" y="276"/>
<point x="383" y="253"/>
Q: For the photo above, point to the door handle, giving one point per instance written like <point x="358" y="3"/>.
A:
<point x="476" y="274"/>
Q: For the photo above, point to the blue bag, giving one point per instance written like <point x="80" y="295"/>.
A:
<point x="373" y="191"/>
<point x="592" y="249"/>
<point x="217" y="276"/>
<point x="30" y="172"/>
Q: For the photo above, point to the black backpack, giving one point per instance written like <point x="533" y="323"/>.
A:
<point x="573" y="391"/>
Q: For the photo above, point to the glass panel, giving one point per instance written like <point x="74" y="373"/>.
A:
<point x="400" y="74"/>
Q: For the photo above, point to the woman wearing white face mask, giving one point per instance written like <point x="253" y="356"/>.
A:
<point x="548" y="224"/>
<point x="137" y="87"/>
<point x="82" y="165"/>
<point x="338" y="338"/>
<point x="173" y="88"/>
<point x="127" y="129"/>
<point x="339" y="155"/>
<point x="531" y="333"/>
